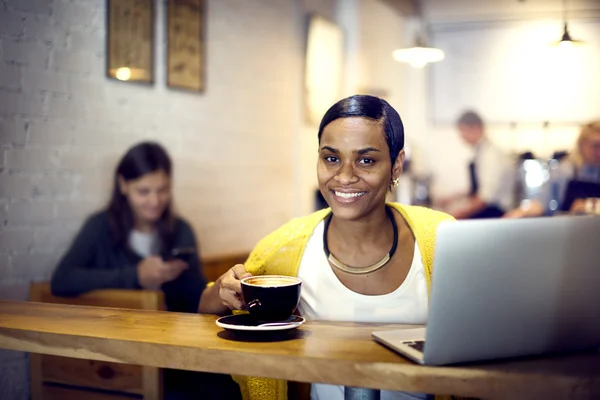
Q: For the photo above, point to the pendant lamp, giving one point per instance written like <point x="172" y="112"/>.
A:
<point x="419" y="55"/>
<point x="566" y="40"/>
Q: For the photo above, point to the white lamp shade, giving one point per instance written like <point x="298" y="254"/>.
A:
<point x="418" y="57"/>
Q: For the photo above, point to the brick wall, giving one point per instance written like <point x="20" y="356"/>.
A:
<point x="63" y="125"/>
<point x="244" y="159"/>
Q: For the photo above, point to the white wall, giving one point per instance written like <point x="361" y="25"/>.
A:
<point x="463" y="11"/>
<point x="515" y="72"/>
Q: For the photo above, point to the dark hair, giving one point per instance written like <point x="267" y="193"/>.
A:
<point x="141" y="159"/>
<point x="373" y="108"/>
<point x="470" y="118"/>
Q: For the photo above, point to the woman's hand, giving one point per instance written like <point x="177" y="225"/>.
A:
<point x="528" y="208"/>
<point x="585" y="206"/>
<point x="230" y="288"/>
<point x="153" y="271"/>
<point x="225" y="294"/>
<point x="514" y="214"/>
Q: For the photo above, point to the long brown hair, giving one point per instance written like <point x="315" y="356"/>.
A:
<point x="141" y="159"/>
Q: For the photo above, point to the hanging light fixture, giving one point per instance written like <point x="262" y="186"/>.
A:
<point x="419" y="55"/>
<point x="566" y="41"/>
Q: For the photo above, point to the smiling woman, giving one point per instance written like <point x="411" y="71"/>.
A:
<point x="361" y="260"/>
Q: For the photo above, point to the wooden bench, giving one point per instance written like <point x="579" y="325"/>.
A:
<point x="62" y="378"/>
<point x="214" y="267"/>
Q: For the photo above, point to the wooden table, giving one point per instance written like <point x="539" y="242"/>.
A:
<point x="335" y="353"/>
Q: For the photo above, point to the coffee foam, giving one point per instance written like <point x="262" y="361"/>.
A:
<point x="276" y="281"/>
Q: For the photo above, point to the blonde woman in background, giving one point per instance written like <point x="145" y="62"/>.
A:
<point x="575" y="185"/>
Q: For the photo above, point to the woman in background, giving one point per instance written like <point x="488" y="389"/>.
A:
<point x="574" y="184"/>
<point x="130" y="245"/>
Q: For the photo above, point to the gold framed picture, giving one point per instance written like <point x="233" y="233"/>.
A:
<point x="130" y="41"/>
<point x="185" y="44"/>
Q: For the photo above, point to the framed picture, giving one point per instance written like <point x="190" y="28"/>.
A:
<point x="130" y="42"/>
<point x="324" y="67"/>
<point x="185" y="44"/>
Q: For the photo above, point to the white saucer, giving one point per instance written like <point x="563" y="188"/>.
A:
<point x="245" y="322"/>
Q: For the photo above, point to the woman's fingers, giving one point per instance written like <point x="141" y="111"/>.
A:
<point x="231" y="287"/>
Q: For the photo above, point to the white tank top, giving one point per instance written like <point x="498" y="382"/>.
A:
<point x="324" y="297"/>
<point x="145" y="244"/>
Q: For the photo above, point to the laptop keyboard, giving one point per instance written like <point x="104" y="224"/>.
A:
<point x="418" y="345"/>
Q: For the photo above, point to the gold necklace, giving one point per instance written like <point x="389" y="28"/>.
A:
<point x="361" y="270"/>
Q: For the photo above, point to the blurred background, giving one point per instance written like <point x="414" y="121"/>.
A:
<point x="244" y="146"/>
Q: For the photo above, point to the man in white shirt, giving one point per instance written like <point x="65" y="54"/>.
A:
<point x="491" y="173"/>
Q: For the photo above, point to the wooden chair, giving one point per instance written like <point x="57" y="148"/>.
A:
<point x="214" y="267"/>
<point x="62" y="378"/>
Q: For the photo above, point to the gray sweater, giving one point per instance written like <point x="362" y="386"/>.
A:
<point x="95" y="261"/>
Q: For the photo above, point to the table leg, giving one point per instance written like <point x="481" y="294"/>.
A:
<point x="353" y="393"/>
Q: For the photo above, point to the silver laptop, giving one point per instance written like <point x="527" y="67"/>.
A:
<point x="508" y="288"/>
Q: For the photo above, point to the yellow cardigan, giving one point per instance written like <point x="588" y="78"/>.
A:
<point x="280" y="253"/>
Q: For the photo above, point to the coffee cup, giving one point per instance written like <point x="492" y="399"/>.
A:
<point x="271" y="297"/>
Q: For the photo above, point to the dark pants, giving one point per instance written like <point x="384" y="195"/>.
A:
<point x="191" y="385"/>
<point x="491" y="211"/>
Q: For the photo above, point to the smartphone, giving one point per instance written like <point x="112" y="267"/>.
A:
<point x="182" y="253"/>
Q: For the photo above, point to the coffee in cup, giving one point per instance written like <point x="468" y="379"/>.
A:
<point x="271" y="297"/>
